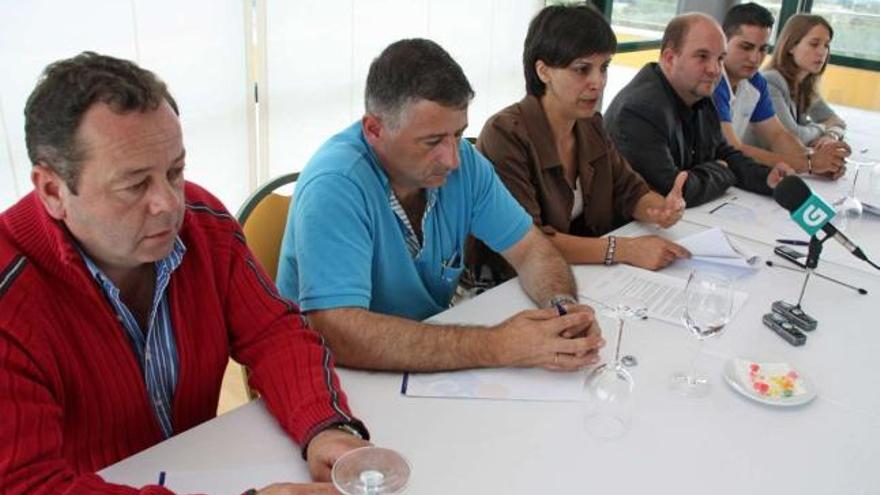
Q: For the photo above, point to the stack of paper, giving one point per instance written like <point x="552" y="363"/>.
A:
<point x="713" y="246"/>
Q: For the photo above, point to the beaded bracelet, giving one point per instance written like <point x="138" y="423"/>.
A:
<point x="609" y="251"/>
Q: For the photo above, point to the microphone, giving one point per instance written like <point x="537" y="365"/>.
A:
<point x="811" y="212"/>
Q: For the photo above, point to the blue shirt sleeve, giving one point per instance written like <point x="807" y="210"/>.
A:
<point x="497" y="218"/>
<point x="721" y="95"/>
<point x="324" y="266"/>
<point x="764" y="108"/>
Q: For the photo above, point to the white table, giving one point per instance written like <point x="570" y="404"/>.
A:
<point x="759" y="218"/>
<point x="723" y="443"/>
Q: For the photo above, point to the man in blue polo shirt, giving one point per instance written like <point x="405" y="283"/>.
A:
<point x="376" y="232"/>
<point x="748" y="120"/>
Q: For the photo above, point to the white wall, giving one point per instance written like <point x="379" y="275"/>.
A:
<point x="318" y="55"/>
<point x="8" y="185"/>
<point x="37" y="32"/>
<point x="196" y="47"/>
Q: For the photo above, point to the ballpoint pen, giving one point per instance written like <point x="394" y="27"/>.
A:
<point x="793" y="242"/>
<point x="561" y="309"/>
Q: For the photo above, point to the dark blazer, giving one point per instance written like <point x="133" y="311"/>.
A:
<point x="660" y="136"/>
<point x="519" y="143"/>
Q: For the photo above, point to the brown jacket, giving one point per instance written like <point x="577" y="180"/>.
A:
<point x="519" y="142"/>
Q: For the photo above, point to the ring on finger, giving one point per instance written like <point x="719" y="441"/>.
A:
<point x="556" y="358"/>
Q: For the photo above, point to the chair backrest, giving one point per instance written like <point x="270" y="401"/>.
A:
<point x="263" y="217"/>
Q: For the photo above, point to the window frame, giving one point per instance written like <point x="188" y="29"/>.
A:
<point x="787" y="9"/>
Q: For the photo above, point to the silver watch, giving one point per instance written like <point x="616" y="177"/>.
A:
<point x="348" y="429"/>
<point x="561" y="299"/>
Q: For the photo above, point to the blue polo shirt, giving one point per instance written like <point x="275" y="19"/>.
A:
<point x="750" y="103"/>
<point x="344" y="245"/>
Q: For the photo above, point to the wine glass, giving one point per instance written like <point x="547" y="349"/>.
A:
<point x="707" y="309"/>
<point x="609" y="387"/>
<point x="370" y="471"/>
<point x="849" y="208"/>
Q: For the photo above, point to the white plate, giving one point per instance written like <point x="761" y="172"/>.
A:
<point x="733" y="380"/>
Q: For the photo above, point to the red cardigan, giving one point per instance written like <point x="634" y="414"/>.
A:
<point x="72" y="395"/>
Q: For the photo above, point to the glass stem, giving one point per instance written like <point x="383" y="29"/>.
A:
<point x="619" y="338"/>
<point x="852" y="192"/>
<point x="692" y="375"/>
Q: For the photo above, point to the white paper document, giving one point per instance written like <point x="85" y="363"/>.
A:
<point x="714" y="246"/>
<point x="661" y="294"/>
<point x="496" y="383"/>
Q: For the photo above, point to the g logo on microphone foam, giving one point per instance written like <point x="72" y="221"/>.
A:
<point x="813" y="214"/>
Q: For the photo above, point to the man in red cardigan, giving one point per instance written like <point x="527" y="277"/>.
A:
<point x="125" y="289"/>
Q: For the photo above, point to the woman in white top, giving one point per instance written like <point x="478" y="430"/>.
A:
<point x="799" y="59"/>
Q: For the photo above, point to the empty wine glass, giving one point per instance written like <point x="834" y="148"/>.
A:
<point x="850" y="208"/>
<point x="707" y="309"/>
<point x="370" y="471"/>
<point x="609" y="387"/>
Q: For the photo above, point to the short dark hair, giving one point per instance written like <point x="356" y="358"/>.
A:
<point x="561" y="33"/>
<point x="746" y="14"/>
<point x="414" y="69"/>
<point x="66" y="90"/>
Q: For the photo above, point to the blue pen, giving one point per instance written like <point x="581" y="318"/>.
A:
<point x="453" y="261"/>
<point x="792" y="242"/>
<point x="161" y="478"/>
<point x="561" y="309"/>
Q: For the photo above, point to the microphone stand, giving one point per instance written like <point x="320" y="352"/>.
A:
<point x="793" y="312"/>
<point x="812" y="262"/>
<point x="816" y="273"/>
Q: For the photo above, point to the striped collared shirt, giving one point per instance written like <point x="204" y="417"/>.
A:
<point x="413" y="244"/>
<point x="155" y="349"/>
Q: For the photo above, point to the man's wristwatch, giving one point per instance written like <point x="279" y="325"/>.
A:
<point x="810" y="152"/>
<point x="561" y="300"/>
<point x="351" y="430"/>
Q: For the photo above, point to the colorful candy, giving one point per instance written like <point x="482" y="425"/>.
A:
<point x="773" y="385"/>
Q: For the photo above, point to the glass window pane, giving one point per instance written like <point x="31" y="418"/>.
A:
<point x="856" y="26"/>
<point x="641" y="20"/>
<point x="774" y="8"/>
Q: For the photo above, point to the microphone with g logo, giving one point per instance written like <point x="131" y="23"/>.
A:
<point x="812" y="213"/>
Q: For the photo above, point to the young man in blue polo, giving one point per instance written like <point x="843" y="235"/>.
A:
<point x="748" y="120"/>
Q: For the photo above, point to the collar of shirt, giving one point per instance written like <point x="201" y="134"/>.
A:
<point x="413" y="244"/>
<point x="726" y="82"/>
<point x="164" y="268"/>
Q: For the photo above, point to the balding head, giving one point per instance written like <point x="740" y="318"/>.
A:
<point x="691" y="56"/>
<point x="680" y="26"/>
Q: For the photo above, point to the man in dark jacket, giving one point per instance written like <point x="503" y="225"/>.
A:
<point x="664" y="120"/>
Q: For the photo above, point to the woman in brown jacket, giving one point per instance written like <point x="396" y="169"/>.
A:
<point x="552" y="152"/>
